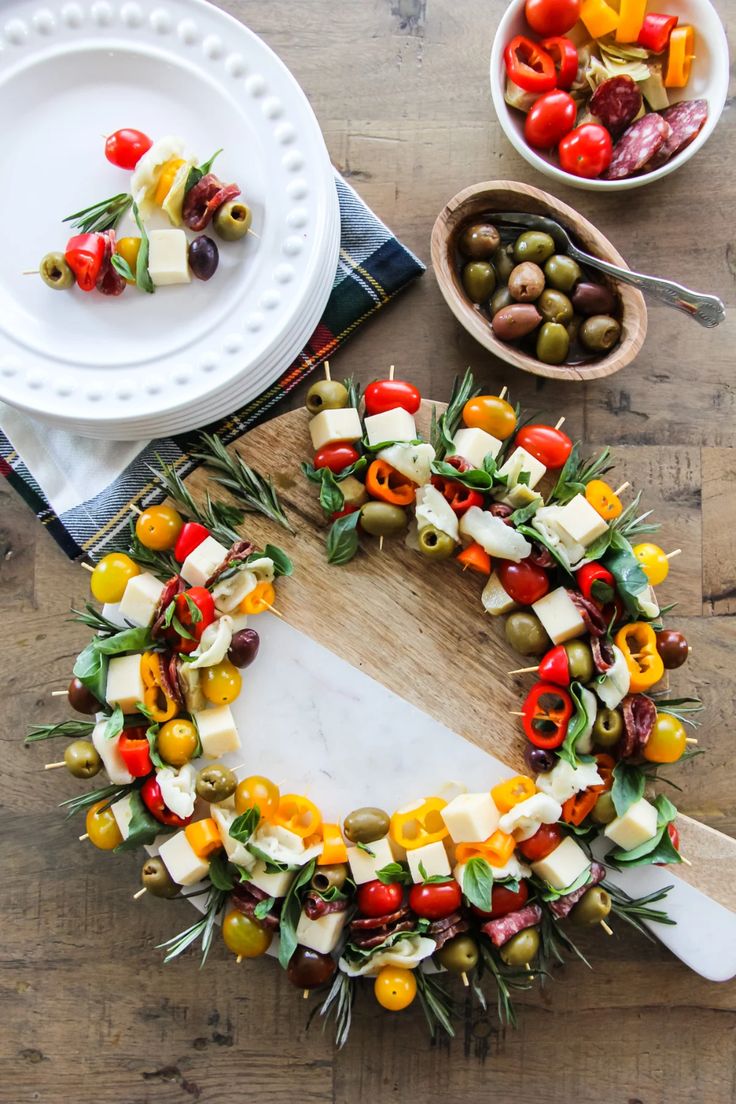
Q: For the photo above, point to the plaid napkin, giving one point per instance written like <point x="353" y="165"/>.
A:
<point x="82" y="490"/>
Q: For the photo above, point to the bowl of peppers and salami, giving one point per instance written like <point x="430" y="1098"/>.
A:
<point x="609" y="96"/>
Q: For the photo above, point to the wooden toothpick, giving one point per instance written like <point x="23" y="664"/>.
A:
<point x="686" y="861"/>
<point x="327" y="370"/>
<point x="391" y="371"/>
<point x="136" y="510"/>
<point x="139" y="893"/>
<point x="238" y="960"/>
<point x="502" y="393"/>
<point x="671" y="555"/>
<point x="87" y="567"/>
<point x="272" y="609"/>
<point x="464" y="977"/>
<point x="690" y="740"/>
<point x="59" y="693"/>
<point x="524" y="670"/>
<point x="515" y="713"/>
<point x="380" y="544"/>
<point x="622" y="488"/>
<point x="607" y="930"/>
<point x="305" y="994"/>
<point x="53" y="766"/>
<point x="84" y="837"/>
<point x="560" y="423"/>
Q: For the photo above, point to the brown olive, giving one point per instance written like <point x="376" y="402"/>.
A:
<point x="479" y="240"/>
<point x="366" y="825"/>
<point x="157" y="880"/>
<point x="82" y="759"/>
<point x="526" y="282"/>
<point x="309" y="969"/>
<point x="600" y="332"/>
<point x="81" y="699"/>
<point x="215" y="783"/>
<point x="243" y="647"/>
<point x="500" y="299"/>
<point x="326" y="395"/>
<point x="325" y="877"/>
<point x="673" y="648"/>
<point x="515" y="322"/>
<point x="554" y="306"/>
<point x="479" y="280"/>
<point x="593" y="299"/>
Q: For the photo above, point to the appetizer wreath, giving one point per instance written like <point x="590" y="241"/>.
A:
<point x="476" y="884"/>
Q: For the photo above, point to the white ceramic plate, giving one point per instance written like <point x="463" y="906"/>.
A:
<point x="708" y="81"/>
<point x="73" y="70"/>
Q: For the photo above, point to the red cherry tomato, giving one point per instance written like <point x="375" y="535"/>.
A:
<point x="376" y="899"/>
<point x="435" y="900"/>
<point x="186" y="604"/>
<point x="550" y="119"/>
<point x="387" y="394"/>
<point x="542" y="843"/>
<point x="565" y="56"/>
<point x="191" y="536"/>
<point x="552" y="17"/>
<point x="336" y="456"/>
<point x="125" y="147"/>
<point x="524" y="582"/>
<point x="550" y="446"/>
<point x="504" y="900"/>
<point x="154" y="802"/>
<point x="586" y="151"/>
<point x="84" y="254"/>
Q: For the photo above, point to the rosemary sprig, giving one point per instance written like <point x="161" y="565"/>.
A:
<point x="218" y="517"/>
<point x="72" y="729"/>
<point x="202" y="929"/>
<point x="338" y="1003"/>
<point x="354" y="391"/>
<point x="94" y="619"/>
<point x="506" y="982"/>
<point x="443" y="429"/>
<point x="82" y="802"/>
<point x="437" y="1004"/>
<point x="577" y="472"/>
<point x="104" y="215"/>
<point x="635" y="910"/>
<point x="631" y="525"/>
<point x="679" y="707"/>
<point x="254" y="491"/>
<point x="161" y="564"/>
<point x="554" y="942"/>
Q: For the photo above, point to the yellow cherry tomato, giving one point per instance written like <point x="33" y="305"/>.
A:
<point x="491" y="413"/>
<point x="158" y="527"/>
<point x="395" y="988"/>
<point x="221" y="683"/>
<point x="128" y="249"/>
<point x="177" y="742"/>
<point x="603" y="499"/>
<point x="260" y="791"/>
<point x="259" y="599"/>
<point x="653" y="561"/>
<point x="102" y="828"/>
<point x="166" y="179"/>
<point x="110" y="577"/>
<point x="245" y="937"/>
<point x="667" y="741"/>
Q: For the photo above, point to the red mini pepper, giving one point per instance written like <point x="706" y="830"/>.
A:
<point x="154" y="802"/>
<point x="84" y="254"/>
<point x="194" y="609"/>
<point x="596" y="583"/>
<point x="191" y="536"/>
<point x="529" y="66"/>
<point x="545" y="715"/>
<point x="655" y="32"/>
<point x="565" y="56"/>
<point x="460" y="497"/>
<point x="555" y="666"/>
<point x="135" y="752"/>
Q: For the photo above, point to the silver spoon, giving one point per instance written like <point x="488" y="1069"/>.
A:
<point x="708" y="310"/>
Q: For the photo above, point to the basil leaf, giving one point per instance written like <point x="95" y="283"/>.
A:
<point x="183" y="632"/>
<point x="114" y="724"/>
<point x="359" y="955"/>
<point x="535" y="535"/>
<point x="332" y="894"/>
<point x="523" y="479"/>
<point x="290" y="913"/>
<point x="548" y="893"/>
<point x="198" y="171"/>
<point x="602" y="592"/>
<point x="129" y="640"/>
<point x="152" y="736"/>
<point x="282" y="565"/>
<point x="90" y="668"/>
<point x="122" y="267"/>
<point x="272" y="866"/>
<point x="478" y="883"/>
<point x="220" y="875"/>
<point x="394" y="872"/>
<point x="366" y="848"/>
<point x="331" y="498"/>
<point x="142" y="275"/>
<point x="526" y="513"/>
<point x="143" y="828"/>
<point x="475" y="478"/>
<point x="444" y="428"/>
<point x="243" y="827"/>
<point x="342" y="539"/>
<point x="264" y="907"/>
<point x="628" y="573"/>
<point x="194" y="611"/>
<point x="575" y="728"/>
<point x="657" y="849"/>
<point x="629" y="784"/>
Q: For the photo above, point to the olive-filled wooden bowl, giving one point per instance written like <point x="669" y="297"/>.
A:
<point x="478" y="204"/>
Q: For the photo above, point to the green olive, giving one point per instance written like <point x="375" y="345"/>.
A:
<point x="55" y="272"/>
<point x="215" y="783"/>
<point x="157" y="880"/>
<point x="82" y="760"/>
<point x="479" y="280"/>
<point x="521" y="948"/>
<point x="325" y="877"/>
<point x="503" y="264"/>
<point x="592" y="907"/>
<point x="580" y="660"/>
<point x="553" y="343"/>
<point x="381" y="519"/>
<point x="459" y="955"/>
<point x="435" y="544"/>
<point x="501" y="299"/>
<point x="326" y="395"/>
<point x="562" y="272"/>
<point x="554" y="306"/>
<point x="366" y="825"/>
<point x="600" y="333"/>
<point x="608" y="728"/>
<point x="526" y="634"/>
<point x="604" y="811"/>
<point x="533" y="246"/>
<point x="232" y="220"/>
<point x="353" y="491"/>
<point x="479" y="240"/>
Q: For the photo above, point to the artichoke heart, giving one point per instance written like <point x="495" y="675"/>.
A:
<point x="174" y="201"/>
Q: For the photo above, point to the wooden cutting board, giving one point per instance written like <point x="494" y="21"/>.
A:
<point x="418" y="628"/>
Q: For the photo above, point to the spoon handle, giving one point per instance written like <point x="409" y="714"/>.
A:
<point x="708" y="310"/>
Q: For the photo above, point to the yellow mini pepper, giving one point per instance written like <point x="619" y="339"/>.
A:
<point x="160" y="706"/>
<point x="630" y="20"/>
<point x="679" y="62"/>
<point x="638" y="643"/>
<point x="419" y="824"/>
<point x="603" y="499"/>
<point x="496" y="850"/>
<point x="298" y="814"/>
<point x="509" y="793"/>
<point x="166" y="179"/>
<point x="599" y="18"/>
<point x="333" y="846"/>
<point x="261" y="598"/>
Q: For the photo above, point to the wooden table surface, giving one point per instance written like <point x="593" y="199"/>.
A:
<point x="89" y="1014"/>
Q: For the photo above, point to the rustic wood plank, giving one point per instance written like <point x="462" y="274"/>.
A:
<point x="719" y="531"/>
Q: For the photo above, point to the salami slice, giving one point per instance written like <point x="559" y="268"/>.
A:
<point x="594" y="620"/>
<point x="616" y="102"/>
<point x="639" y="713"/>
<point x="501" y="930"/>
<point x="637" y="147"/>
<point x="686" y="119"/>
<point x="316" y="906"/>
<point x="239" y="552"/>
<point x="563" y="906"/>
<point x="203" y="199"/>
<point x="442" y="931"/>
<point x="604" y="656"/>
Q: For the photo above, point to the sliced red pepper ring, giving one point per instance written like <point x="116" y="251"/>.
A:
<point x="529" y="66"/>
<point x="545" y="715"/>
<point x="655" y="32"/>
<point x="565" y="56"/>
<point x="389" y="485"/>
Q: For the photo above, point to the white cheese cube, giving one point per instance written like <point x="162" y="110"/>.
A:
<point x="413" y="461"/>
<point x="363" y="866"/>
<point x="432" y="508"/>
<point x="433" y="858"/>
<point x="563" y="865"/>
<point x="236" y="852"/>
<point x="123" y="812"/>
<point x="125" y="683"/>
<point x="322" y="934"/>
<point x="217" y="731"/>
<point x="168" y="257"/>
<point x="580" y="521"/>
<point x="636" y="826"/>
<point x="524" y="819"/>
<point x="202" y="561"/>
<point x="495" y="599"/>
<point x="181" y="861"/>
<point x="470" y="817"/>
<point x="140" y="598"/>
<point x="112" y="760"/>
<point x="522" y="461"/>
<point x="520" y="496"/>
<point x="275" y="885"/>
<point x="475" y="444"/>
<point x="335" y="425"/>
<point x="559" y="616"/>
<point x="392" y="425"/>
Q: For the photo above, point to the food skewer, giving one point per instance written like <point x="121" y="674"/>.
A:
<point x="560" y="423"/>
<point x="622" y="488"/>
<point x="59" y="693"/>
<point x="608" y="930"/>
<point x="85" y="836"/>
<point x="53" y="766"/>
<point x="139" y="893"/>
<point x="671" y="555"/>
<point x="86" y="566"/>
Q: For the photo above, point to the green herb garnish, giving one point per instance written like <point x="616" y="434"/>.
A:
<point x="101" y="216"/>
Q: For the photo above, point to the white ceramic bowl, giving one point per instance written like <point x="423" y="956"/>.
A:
<point x="708" y="81"/>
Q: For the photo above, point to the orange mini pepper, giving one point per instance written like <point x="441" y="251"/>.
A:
<point x="509" y="793"/>
<point x="333" y="847"/>
<point x="577" y="807"/>
<point x="680" y="60"/>
<point x="476" y="558"/>
<point x="203" y="837"/>
<point x="604" y="500"/>
<point x="606" y="763"/>
<point x="496" y="850"/>
<point x="160" y="706"/>
<point x="419" y="824"/>
<point x="638" y="643"/>
<point x="389" y="485"/>
<point x="261" y="598"/>
<point x="298" y="814"/>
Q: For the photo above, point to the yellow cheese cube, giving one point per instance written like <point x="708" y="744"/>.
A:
<point x="475" y="444"/>
<point x="563" y="865"/>
<point x="522" y="461"/>
<point x="322" y="934"/>
<point x="470" y="817"/>
<point x="202" y="561"/>
<point x="168" y="257"/>
<point x="140" y="598"/>
<point x="237" y="852"/>
<point x="275" y="885"/>
<point x="433" y="858"/>
<point x="112" y="760"/>
<point x="124" y="683"/>
<point x="636" y="826"/>
<point x="181" y="861"/>
<point x="335" y="425"/>
<point x="580" y="521"/>
<point x="365" y="864"/>
<point x="392" y="425"/>
<point x="559" y="616"/>
<point x="217" y="731"/>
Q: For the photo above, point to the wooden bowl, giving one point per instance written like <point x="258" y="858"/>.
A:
<point x="507" y="195"/>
